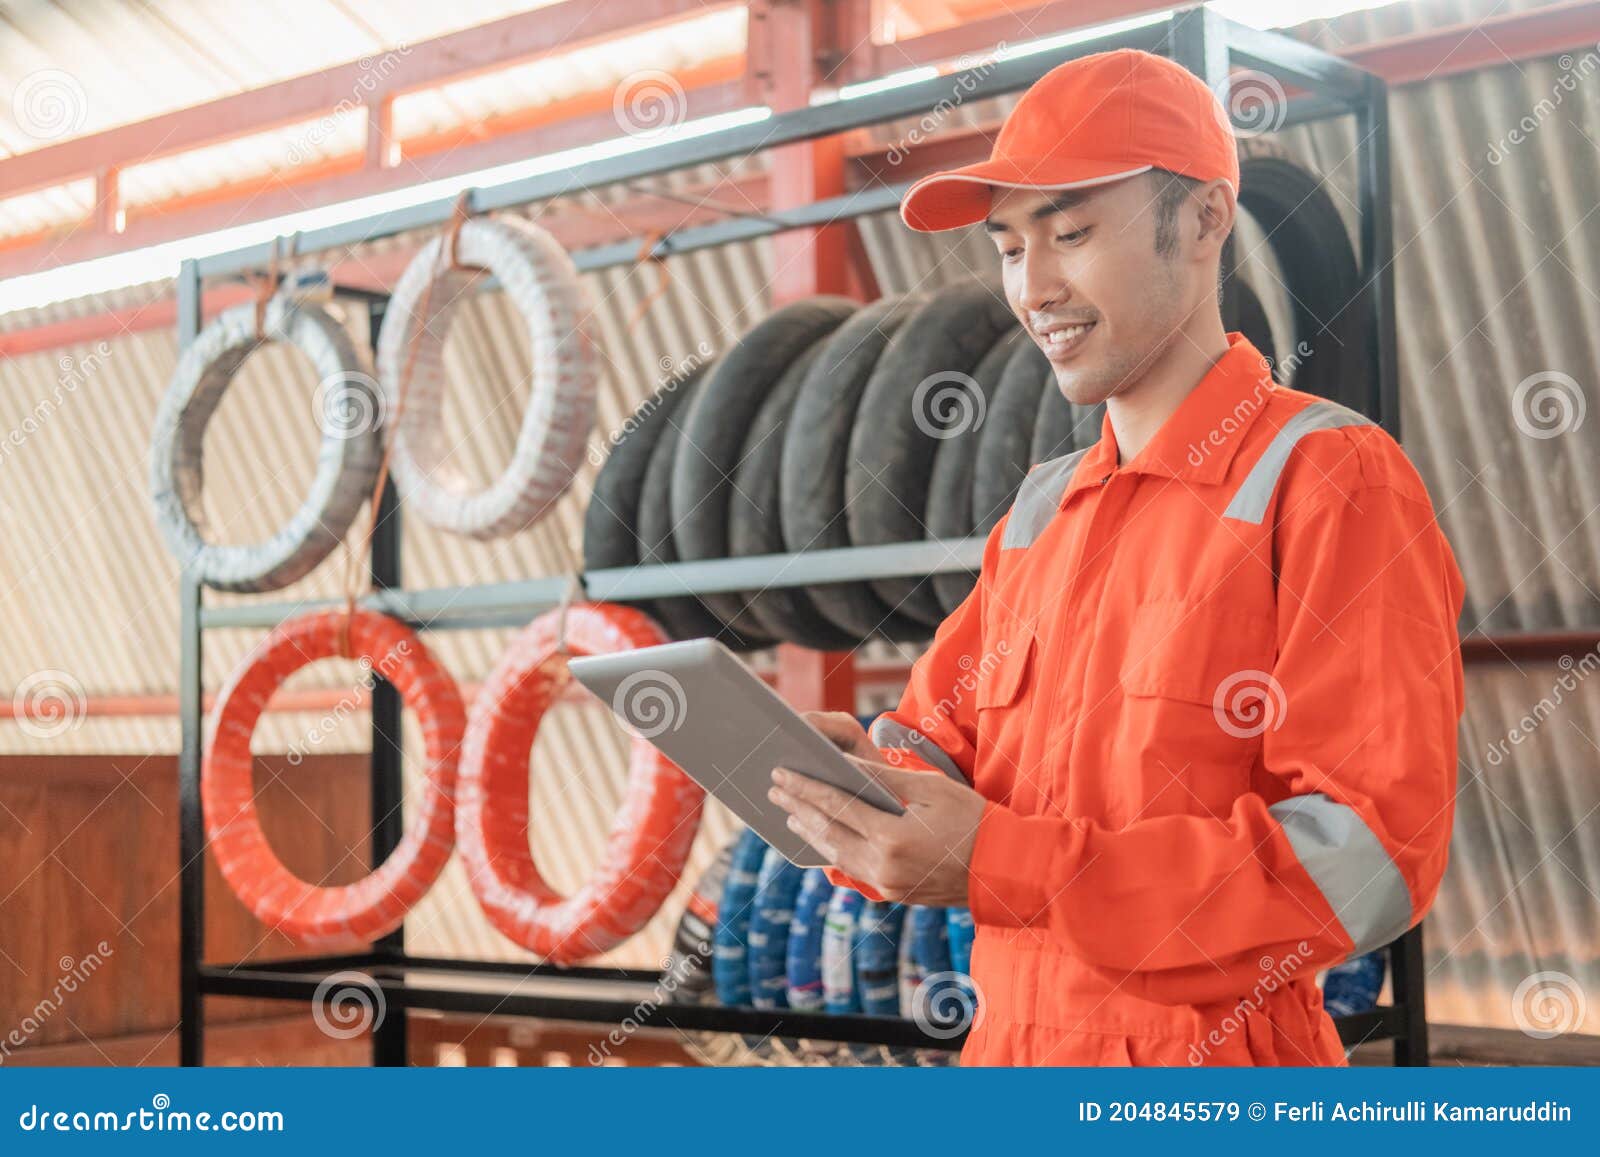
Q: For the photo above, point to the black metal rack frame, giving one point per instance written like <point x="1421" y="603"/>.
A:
<point x="1197" y="38"/>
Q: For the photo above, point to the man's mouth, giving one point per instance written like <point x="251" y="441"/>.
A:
<point x="1059" y="340"/>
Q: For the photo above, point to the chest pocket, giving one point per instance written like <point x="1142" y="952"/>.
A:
<point x="1198" y="693"/>
<point x="1184" y="650"/>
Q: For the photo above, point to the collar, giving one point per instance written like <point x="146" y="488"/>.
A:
<point x="1199" y="439"/>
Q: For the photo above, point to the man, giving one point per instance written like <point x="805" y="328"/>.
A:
<point x="1197" y="721"/>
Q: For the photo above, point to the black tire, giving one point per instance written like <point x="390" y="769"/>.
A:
<point x="816" y="447"/>
<point x="688" y="617"/>
<point x="754" y="525"/>
<point x="714" y="429"/>
<point x="949" y="513"/>
<point x="611" y="520"/>
<point x="1004" y="445"/>
<point x="1320" y="273"/>
<point x="1052" y="426"/>
<point x="891" y="452"/>
<point x="1063" y="426"/>
<point x="1250" y="319"/>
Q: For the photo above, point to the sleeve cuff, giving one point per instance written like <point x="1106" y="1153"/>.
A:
<point x="840" y="880"/>
<point x="1016" y="866"/>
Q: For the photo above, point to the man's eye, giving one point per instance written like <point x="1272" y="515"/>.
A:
<point x="1072" y="236"/>
<point x="1011" y="254"/>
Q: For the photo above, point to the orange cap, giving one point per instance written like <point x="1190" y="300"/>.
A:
<point x="1086" y="122"/>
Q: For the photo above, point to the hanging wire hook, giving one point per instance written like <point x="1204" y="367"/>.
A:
<point x="573" y="589"/>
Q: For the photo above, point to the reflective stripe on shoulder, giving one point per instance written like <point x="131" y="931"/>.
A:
<point x="1038" y="498"/>
<point x="1350" y="867"/>
<point x="886" y="732"/>
<point x="1249" y="504"/>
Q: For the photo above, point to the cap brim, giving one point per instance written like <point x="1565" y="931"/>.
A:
<point x="961" y="197"/>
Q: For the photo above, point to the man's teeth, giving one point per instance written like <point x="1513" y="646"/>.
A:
<point x="1063" y="336"/>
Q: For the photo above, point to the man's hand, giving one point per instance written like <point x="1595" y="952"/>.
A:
<point x="845" y="732"/>
<point x="920" y="857"/>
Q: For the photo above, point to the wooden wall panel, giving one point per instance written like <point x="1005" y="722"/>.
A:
<point x="89" y="857"/>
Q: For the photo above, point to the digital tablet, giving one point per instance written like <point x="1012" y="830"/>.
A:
<point x="715" y="718"/>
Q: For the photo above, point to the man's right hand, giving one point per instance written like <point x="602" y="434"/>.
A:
<point x="845" y="732"/>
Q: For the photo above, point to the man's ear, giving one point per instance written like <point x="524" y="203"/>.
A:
<point x="1217" y="211"/>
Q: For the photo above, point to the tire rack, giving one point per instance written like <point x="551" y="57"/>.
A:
<point x="1199" y="39"/>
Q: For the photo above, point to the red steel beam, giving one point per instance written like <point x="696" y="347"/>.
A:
<point x="1496" y="40"/>
<point x="792" y="46"/>
<point x="570" y="125"/>
<point x="369" y="81"/>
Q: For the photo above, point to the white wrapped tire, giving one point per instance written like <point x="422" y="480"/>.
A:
<point x="543" y="285"/>
<point x="347" y="402"/>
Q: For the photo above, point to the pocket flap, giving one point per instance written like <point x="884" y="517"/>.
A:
<point x="1184" y="650"/>
<point x="1003" y="667"/>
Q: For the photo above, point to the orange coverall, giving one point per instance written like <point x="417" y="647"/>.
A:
<point x="1211" y="698"/>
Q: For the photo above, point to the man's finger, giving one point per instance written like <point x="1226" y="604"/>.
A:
<point x="843" y="730"/>
<point x="905" y="786"/>
<point x="844" y="848"/>
<point x="836" y="805"/>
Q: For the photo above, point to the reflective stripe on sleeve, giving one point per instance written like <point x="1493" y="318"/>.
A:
<point x="1350" y="867"/>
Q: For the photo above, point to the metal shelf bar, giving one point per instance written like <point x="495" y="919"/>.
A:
<point x="512" y="603"/>
<point x="295" y="980"/>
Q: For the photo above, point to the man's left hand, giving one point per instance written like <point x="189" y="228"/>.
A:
<point x="920" y="857"/>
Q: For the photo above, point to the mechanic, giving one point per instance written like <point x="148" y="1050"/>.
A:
<point x="1196" y="723"/>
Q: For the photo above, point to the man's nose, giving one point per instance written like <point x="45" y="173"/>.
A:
<point x="1041" y="285"/>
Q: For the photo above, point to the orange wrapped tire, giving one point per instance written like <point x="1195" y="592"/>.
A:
<point x="650" y="837"/>
<point x="378" y="903"/>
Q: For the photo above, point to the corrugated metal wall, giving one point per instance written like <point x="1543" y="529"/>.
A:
<point x="1498" y="274"/>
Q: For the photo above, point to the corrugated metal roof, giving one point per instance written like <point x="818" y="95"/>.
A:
<point x="65" y="81"/>
<point x="116" y="64"/>
<point x="1496" y="272"/>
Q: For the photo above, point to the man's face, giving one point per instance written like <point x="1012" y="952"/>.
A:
<point x="1082" y="273"/>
